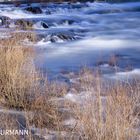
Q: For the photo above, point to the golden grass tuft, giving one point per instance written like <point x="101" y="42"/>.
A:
<point x="108" y="112"/>
<point x="24" y="88"/>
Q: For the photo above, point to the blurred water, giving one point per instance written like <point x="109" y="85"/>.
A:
<point x="84" y="34"/>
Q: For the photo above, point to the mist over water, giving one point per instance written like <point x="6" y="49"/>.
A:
<point x="84" y="34"/>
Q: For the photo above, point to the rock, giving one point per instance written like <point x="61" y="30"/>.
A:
<point x="48" y="12"/>
<point x="77" y="6"/>
<point x="34" y="10"/>
<point x="61" y="37"/>
<point x="4" y="21"/>
<point x="70" y="22"/>
<point x="24" y="24"/>
<point x="17" y="3"/>
<point x="66" y="37"/>
<point x="44" y="25"/>
<point x="54" y="39"/>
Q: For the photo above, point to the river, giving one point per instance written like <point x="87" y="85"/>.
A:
<point x="103" y="35"/>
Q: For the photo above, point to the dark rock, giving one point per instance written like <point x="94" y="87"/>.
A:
<point x="4" y="21"/>
<point x="53" y="39"/>
<point x="56" y="38"/>
<point x="99" y="63"/>
<point x="34" y="10"/>
<point x="70" y="22"/>
<point x="17" y="3"/>
<point x="44" y="25"/>
<point x="77" y="6"/>
<point x="66" y="37"/>
<point x="48" y="12"/>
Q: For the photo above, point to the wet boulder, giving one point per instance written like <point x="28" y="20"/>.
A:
<point x="4" y="21"/>
<point x="61" y="38"/>
<point x="24" y="24"/>
<point x="66" y="37"/>
<point x="41" y="25"/>
<point x="54" y="39"/>
<point x="34" y="10"/>
<point x="48" y="12"/>
<point x="77" y="5"/>
<point x="44" y="25"/>
<point x="69" y="21"/>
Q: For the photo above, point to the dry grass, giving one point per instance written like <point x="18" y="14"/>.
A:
<point x="109" y="112"/>
<point x="17" y="77"/>
<point x="24" y="88"/>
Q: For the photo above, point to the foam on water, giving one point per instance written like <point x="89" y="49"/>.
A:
<point x="83" y="33"/>
<point x="18" y="13"/>
<point x="129" y="73"/>
<point x="125" y="75"/>
<point x="93" y="44"/>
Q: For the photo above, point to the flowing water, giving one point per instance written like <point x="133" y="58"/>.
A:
<point x="103" y="35"/>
